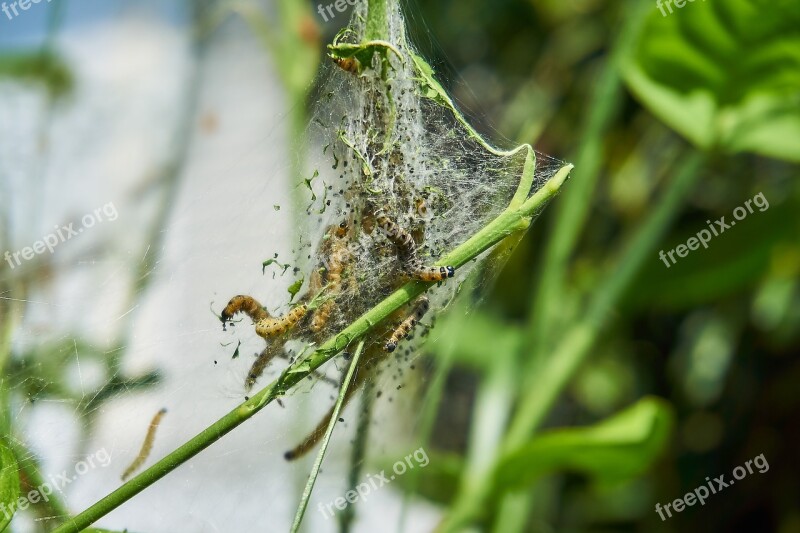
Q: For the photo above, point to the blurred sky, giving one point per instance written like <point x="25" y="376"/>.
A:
<point x="29" y="28"/>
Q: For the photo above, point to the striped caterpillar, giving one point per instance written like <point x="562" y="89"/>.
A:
<point x="407" y="251"/>
<point x="401" y="332"/>
<point x="147" y="445"/>
<point x="266" y="325"/>
<point x="274" y="327"/>
<point x="338" y="258"/>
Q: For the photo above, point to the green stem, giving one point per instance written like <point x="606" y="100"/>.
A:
<point x="493" y="404"/>
<point x="507" y="223"/>
<point x="377" y="20"/>
<point x="337" y="408"/>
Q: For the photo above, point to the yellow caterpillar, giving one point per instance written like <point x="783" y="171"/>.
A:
<point x="416" y="270"/>
<point x="147" y="445"/>
<point x="338" y="259"/>
<point x="408" y="324"/>
<point x="264" y="358"/>
<point x="406" y="247"/>
<point x="407" y="252"/>
<point x="266" y="325"/>
<point x="273" y="327"/>
<point x="349" y="64"/>
<point x="244" y="304"/>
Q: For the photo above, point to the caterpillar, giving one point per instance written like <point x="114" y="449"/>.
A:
<point x="269" y="327"/>
<point x="316" y="434"/>
<point x="407" y="251"/>
<point x="338" y="259"/>
<point x="405" y="327"/>
<point x="261" y="362"/>
<point x="406" y="247"/>
<point x="147" y="445"/>
<point x="422" y="207"/>
<point x="244" y="304"/>
<point x="363" y="372"/>
<point x="348" y="64"/>
<point x="416" y="270"/>
<point x="266" y="325"/>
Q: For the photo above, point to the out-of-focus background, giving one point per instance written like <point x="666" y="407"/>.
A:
<point x="611" y="367"/>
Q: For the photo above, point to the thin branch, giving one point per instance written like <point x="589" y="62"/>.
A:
<point x="337" y="408"/>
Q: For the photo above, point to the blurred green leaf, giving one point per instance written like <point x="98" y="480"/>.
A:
<point x="39" y="67"/>
<point x="613" y="450"/>
<point x="9" y="484"/>
<point x="734" y="261"/>
<point x="724" y="74"/>
<point x="480" y="339"/>
<point x="42" y="373"/>
<point x="437" y="481"/>
<point x="41" y="369"/>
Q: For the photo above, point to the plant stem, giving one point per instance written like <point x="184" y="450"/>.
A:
<point x="377" y="20"/>
<point x="493" y="404"/>
<point x="337" y="408"/>
<point x="507" y="223"/>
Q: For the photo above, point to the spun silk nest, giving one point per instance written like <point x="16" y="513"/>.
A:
<point x="396" y="177"/>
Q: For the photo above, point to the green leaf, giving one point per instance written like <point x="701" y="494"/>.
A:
<point x="39" y="67"/>
<point x="236" y="351"/>
<point x="302" y="368"/>
<point x="613" y="450"/>
<point x="273" y="261"/>
<point x="9" y="485"/>
<point x="725" y="268"/>
<point x="39" y="371"/>
<point x="438" y="481"/>
<point x="294" y="288"/>
<point x="724" y="74"/>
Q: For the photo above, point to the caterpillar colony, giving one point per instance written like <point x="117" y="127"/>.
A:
<point x="398" y="177"/>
